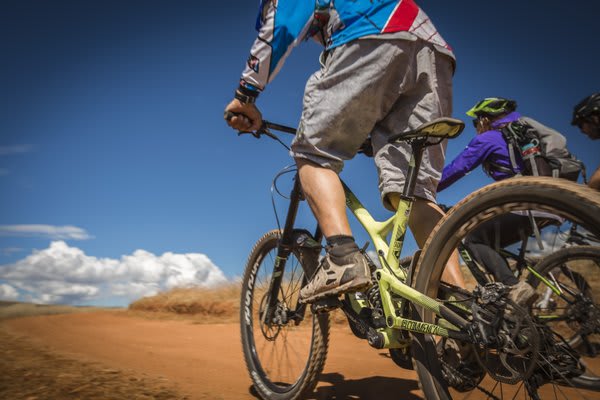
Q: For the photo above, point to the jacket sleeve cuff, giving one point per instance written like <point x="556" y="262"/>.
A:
<point x="248" y="90"/>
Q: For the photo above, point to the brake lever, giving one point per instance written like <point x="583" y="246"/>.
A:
<point x="255" y="134"/>
<point x="263" y="130"/>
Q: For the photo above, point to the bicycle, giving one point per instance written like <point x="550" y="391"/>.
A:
<point x="567" y="285"/>
<point x="285" y="342"/>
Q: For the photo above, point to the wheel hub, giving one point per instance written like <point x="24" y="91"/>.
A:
<point x="270" y="327"/>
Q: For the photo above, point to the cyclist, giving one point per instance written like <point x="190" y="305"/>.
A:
<point x="586" y="116"/>
<point x="384" y="68"/>
<point x="489" y="149"/>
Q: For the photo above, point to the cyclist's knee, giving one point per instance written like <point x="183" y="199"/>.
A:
<point x="421" y="208"/>
<point x="427" y="209"/>
<point x="393" y="199"/>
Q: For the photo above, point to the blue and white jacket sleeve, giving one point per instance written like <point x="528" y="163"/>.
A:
<point x="473" y="155"/>
<point x="281" y="25"/>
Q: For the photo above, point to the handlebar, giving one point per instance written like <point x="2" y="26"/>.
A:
<point x="366" y="148"/>
<point x="264" y="128"/>
<point x="281" y="128"/>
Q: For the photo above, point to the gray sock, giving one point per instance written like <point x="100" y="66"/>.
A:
<point x="340" y="246"/>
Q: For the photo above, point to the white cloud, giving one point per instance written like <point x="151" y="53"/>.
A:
<point x="67" y="232"/>
<point x="15" y="149"/>
<point x="66" y="275"/>
<point x="8" y="292"/>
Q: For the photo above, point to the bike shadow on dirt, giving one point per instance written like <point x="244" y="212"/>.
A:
<point x="375" y="387"/>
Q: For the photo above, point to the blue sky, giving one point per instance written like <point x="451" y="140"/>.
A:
<point x="118" y="176"/>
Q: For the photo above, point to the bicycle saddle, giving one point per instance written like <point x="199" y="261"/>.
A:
<point x="442" y="128"/>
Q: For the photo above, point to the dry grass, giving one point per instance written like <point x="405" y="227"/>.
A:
<point x="220" y="304"/>
<point x="201" y="305"/>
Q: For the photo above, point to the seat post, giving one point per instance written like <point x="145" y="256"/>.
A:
<point x="418" y="146"/>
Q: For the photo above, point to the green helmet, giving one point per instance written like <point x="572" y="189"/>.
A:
<point x="492" y="107"/>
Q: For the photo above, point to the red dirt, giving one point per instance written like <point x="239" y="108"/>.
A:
<point x="113" y="355"/>
<point x="116" y="355"/>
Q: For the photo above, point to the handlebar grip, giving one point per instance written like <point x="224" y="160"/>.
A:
<point x="228" y="115"/>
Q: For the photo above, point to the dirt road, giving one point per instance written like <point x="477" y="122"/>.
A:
<point x="113" y="355"/>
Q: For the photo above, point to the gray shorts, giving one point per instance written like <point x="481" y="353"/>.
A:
<point x="376" y="87"/>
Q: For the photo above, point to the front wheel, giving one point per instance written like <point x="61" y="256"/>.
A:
<point x="286" y="353"/>
<point x="544" y="206"/>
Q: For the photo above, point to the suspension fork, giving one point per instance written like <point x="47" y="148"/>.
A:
<point x="284" y="249"/>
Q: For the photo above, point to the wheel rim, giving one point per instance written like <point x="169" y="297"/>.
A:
<point x="280" y="350"/>
<point x="573" y="314"/>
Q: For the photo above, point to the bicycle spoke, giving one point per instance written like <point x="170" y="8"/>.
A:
<point x="518" y="390"/>
<point x="279" y="351"/>
<point x="286" y="294"/>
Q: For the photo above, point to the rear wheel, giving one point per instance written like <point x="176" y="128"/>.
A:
<point x="572" y="311"/>
<point x="533" y="197"/>
<point x="286" y="354"/>
<point x="575" y="310"/>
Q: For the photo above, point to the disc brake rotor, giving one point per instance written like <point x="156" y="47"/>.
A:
<point x="515" y="352"/>
<point x="269" y="329"/>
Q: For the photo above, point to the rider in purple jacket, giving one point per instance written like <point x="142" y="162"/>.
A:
<point x="490" y="150"/>
<point x="487" y="148"/>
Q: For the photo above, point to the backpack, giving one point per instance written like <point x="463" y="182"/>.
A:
<point x="543" y="150"/>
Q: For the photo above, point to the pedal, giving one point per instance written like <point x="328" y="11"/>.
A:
<point x="325" y="305"/>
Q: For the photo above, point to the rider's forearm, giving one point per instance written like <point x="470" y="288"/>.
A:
<point x="449" y="176"/>
<point x="468" y="159"/>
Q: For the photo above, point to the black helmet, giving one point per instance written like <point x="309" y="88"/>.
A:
<point x="586" y="108"/>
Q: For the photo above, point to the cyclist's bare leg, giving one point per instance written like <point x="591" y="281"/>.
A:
<point x="423" y="218"/>
<point x="344" y="268"/>
<point x="325" y="195"/>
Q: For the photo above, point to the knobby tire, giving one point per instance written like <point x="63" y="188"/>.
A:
<point x="267" y="386"/>
<point x="578" y="202"/>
